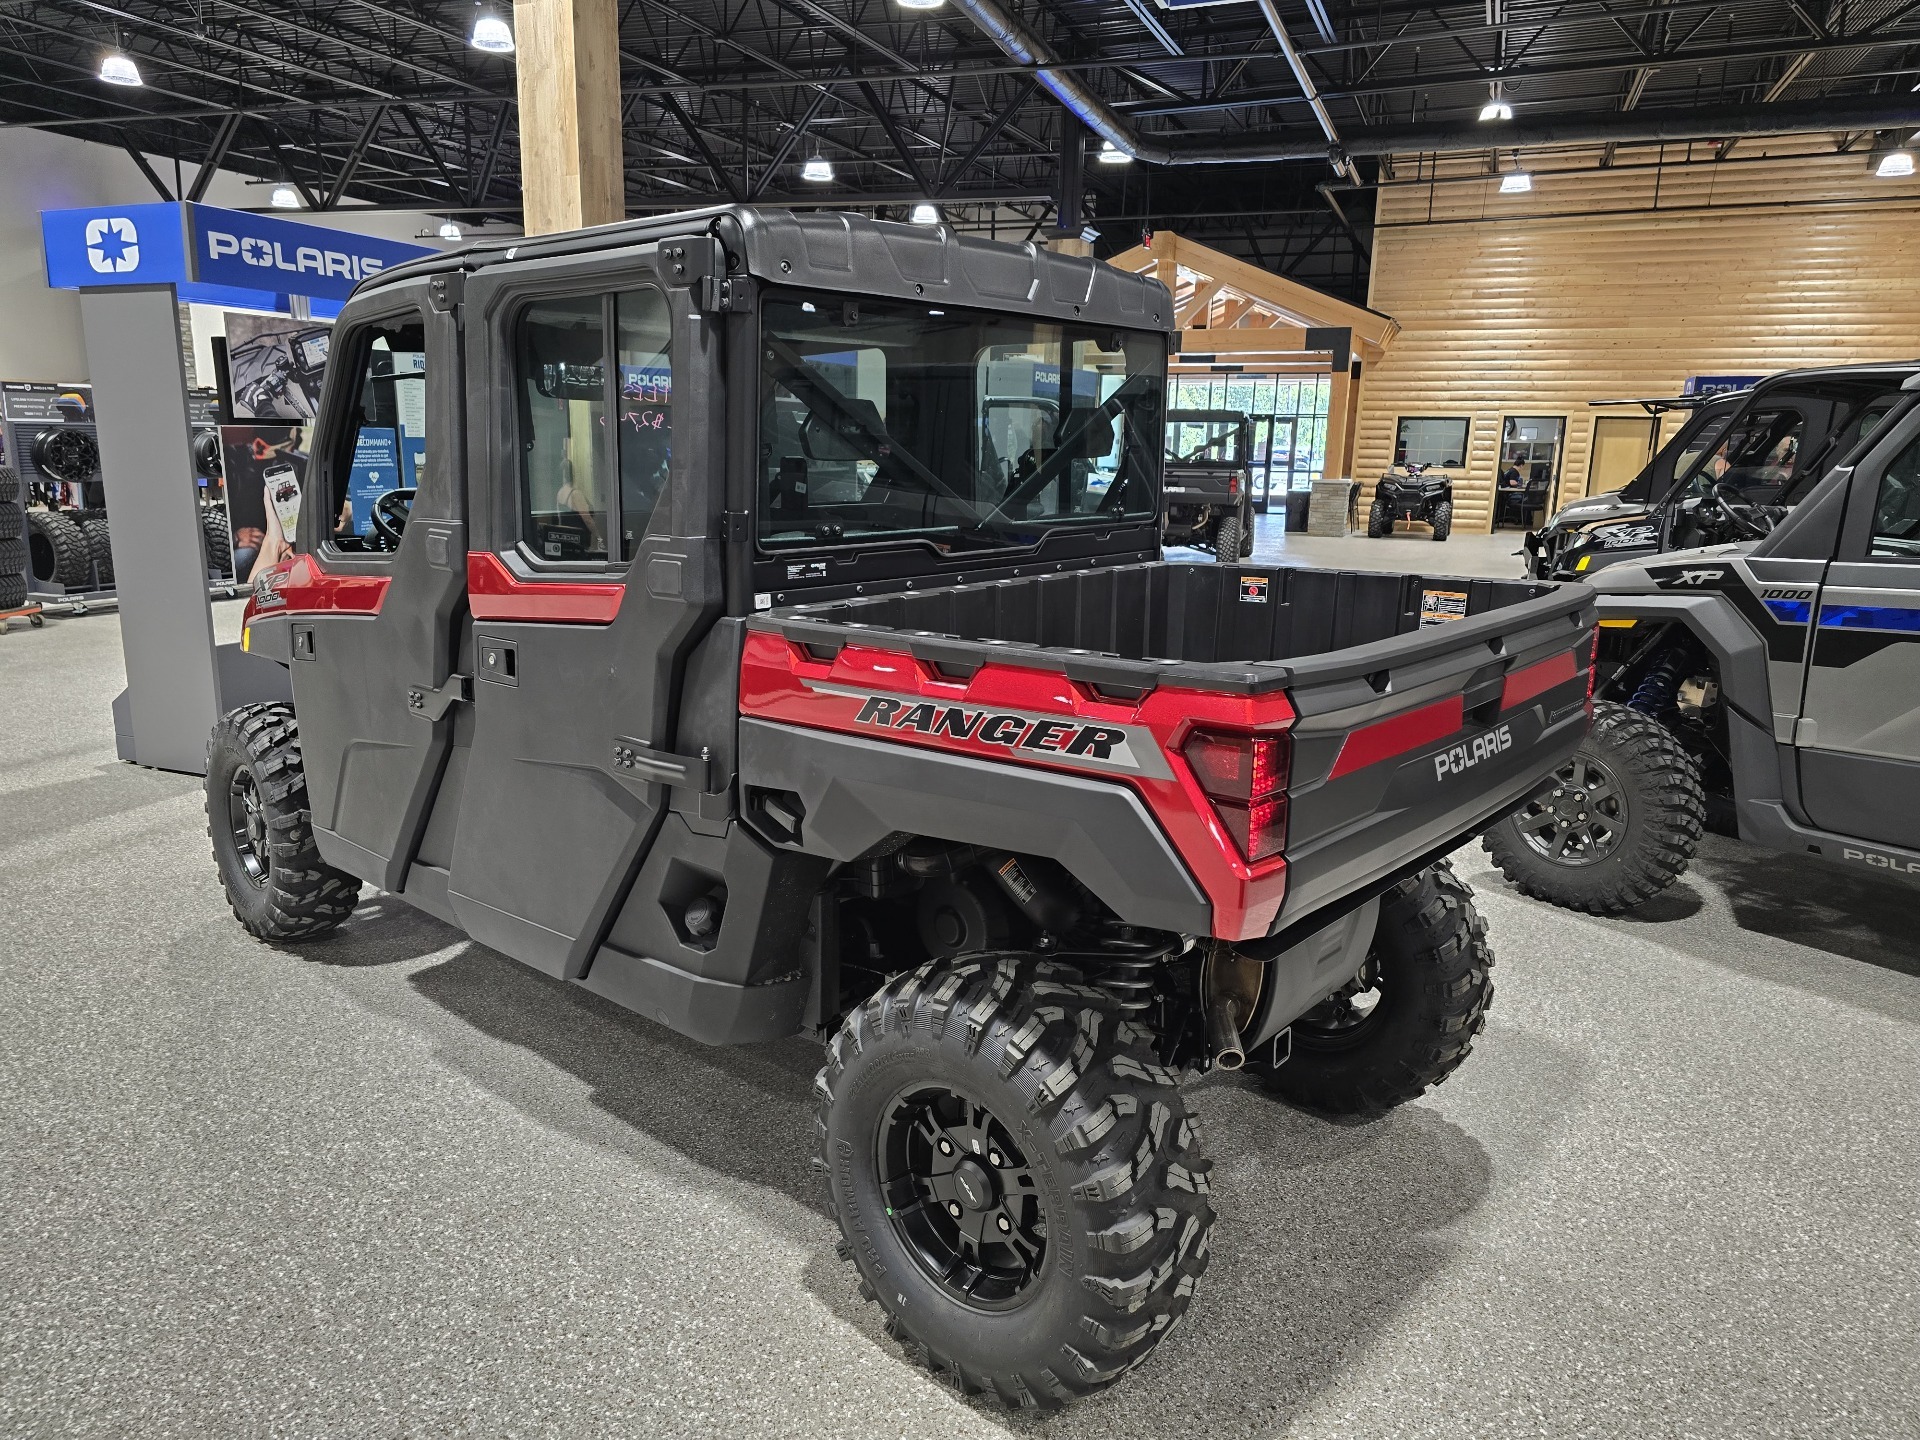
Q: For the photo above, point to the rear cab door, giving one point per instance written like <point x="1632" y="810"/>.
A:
<point x="593" y="568"/>
<point x="1857" y="742"/>
<point x="373" y="619"/>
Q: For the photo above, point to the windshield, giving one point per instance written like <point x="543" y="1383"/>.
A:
<point x="884" y="420"/>
<point x="1199" y="438"/>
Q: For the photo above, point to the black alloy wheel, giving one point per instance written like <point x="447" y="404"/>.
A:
<point x="1347" y="1016"/>
<point x="962" y="1197"/>
<point x="1581" y="818"/>
<point x="249" y="824"/>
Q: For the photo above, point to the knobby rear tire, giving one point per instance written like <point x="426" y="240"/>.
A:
<point x="1114" y="1157"/>
<point x="1433" y="973"/>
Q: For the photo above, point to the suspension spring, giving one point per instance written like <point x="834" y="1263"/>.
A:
<point x="1655" y="694"/>
<point x="1127" y="966"/>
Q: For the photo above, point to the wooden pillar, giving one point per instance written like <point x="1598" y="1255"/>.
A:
<point x="1338" y="461"/>
<point x="569" y="77"/>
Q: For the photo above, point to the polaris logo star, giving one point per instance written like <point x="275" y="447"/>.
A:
<point x="113" y="245"/>
<point x="1468" y="753"/>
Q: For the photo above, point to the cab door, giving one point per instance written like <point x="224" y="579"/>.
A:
<point x="592" y="578"/>
<point x="376" y="599"/>
<point x="1858" y="738"/>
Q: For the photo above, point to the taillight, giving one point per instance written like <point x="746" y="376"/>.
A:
<point x="1233" y="485"/>
<point x="1245" y="776"/>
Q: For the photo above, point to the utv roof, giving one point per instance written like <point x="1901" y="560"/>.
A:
<point x="833" y="250"/>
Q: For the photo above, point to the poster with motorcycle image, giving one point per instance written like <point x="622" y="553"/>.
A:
<point x="275" y="364"/>
<point x="266" y="469"/>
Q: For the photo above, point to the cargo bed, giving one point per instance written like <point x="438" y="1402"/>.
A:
<point x="1419" y="708"/>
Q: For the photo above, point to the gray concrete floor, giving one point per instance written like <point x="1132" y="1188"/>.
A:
<point x="1409" y="549"/>
<point x="394" y="1184"/>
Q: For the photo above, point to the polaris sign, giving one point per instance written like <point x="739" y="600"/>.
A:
<point x="199" y="245"/>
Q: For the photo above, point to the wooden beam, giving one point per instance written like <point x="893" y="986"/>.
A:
<point x="1338" y="462"/>
<point x="1372" y="332"/>
<point x="1197" y="304"/>
<point x="1245" y="340"/>
<point x="569" y="86"/>
<point x="1232" y="312"/>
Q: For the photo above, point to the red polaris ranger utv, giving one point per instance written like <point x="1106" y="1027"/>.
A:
<point x="718" y="648"/>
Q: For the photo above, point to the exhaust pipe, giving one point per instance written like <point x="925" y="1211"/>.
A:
<point x="1223" y="1034"/>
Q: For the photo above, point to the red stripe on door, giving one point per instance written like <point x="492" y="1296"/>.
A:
<point x="496" y="593"/>
<point x="1398" y="734"/>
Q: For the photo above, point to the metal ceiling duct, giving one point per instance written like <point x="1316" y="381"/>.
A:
<point x="1620" y="127"/>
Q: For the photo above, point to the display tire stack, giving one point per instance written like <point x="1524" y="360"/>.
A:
<point x="213" y="520"/>
<point x="93" y="526"/>
<point x="59" y="550"/>
<point x="13" y="549"/>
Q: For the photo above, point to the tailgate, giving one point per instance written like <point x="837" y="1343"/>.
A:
<point x="1455" y="727"/>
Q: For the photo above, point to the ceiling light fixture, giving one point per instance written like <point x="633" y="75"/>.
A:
<point x="1894" y="164"/>
<point x="1516" y="182"/>
<point x="284" y="197"/>
<point x="449" y="230"/>
<point x="921" y="4"/>
<point x="925" y="214"/>
<point x="1111" y="154"/>
<point x="1496" y="109"/>
<point x="817" y="170"/>
<point x="491" y="34"/>
<point x="118" y="69"/>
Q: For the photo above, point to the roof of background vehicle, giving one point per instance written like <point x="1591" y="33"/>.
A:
<point x="833" y="250"/>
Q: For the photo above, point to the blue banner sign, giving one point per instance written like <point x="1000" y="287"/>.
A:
<point x="1718" y="384"/>
<point x="201" y="245"/>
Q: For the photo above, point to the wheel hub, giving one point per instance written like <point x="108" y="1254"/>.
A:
<point x="248" y="822"/>
<point x="962" y="1196"/>
<point x="1579" y="817"/>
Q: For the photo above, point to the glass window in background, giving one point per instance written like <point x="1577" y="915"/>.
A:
<point x="561" y="383"/>
<point x="1431" y="440"/>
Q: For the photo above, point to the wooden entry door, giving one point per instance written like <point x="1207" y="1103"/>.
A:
<point x="1622" y="445"/>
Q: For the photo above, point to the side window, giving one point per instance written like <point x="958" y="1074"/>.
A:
<point x="1896" y="513"/>
<point x="385" y="449"/>
<point x="1756" y="456"/>
<point x="560" y="365"/>
<point x="646" y="409"/>
<point x="588" y="490"/>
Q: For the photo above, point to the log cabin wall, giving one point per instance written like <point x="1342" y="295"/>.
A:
<point x="1607" y="283"/>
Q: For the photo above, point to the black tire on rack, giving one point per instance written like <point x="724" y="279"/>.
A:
<point x="1016" y="1178"/>
<point x="9" y="485"/>
<point x="11" y="520"/>
<point x="93" y="525"/>
<point x="67" y="454"/>
<point x="58" y="549"/>
<point x="213" y="520"/>
<point x="13" y="590"/>
<point x="262" y="831"/>
<point x="13" y="557"/>
<point x="1408" y="1019"/>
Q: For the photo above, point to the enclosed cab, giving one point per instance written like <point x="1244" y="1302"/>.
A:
<point x="768" y="633"/>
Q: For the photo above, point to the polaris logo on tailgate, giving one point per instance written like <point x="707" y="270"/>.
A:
<point x="1469" y="753"/>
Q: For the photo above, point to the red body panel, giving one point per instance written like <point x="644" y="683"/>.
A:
<point x="1522" y="685"/>
<point x="496" y="593"/>
<point x="781" y="681"/>
<point x="307" y="588"/>
<point x="1398" y="734"/>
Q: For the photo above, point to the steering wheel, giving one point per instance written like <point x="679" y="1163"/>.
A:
<point x="1732" y="506"/>
<point x="391" y="513"/>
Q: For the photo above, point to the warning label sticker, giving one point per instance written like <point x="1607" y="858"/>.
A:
<point x="1253" y="589"/>
<point x="1437" y="607"/>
